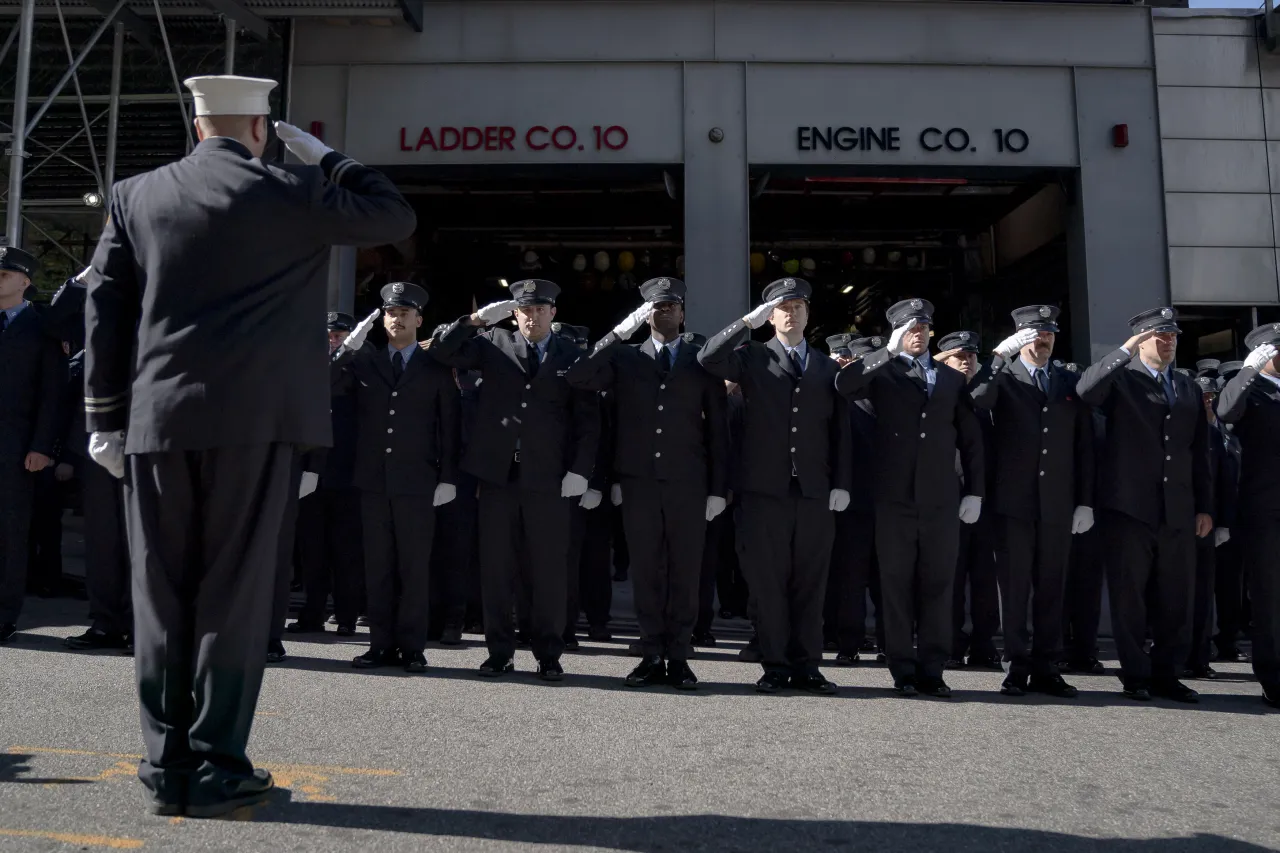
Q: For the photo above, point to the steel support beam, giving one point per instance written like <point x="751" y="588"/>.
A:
<point x="8" y="43"/>
<point x="173" y="72"/>
<point x="139" y="28"/>
<point x="241" y="15"/>
<point x="17" y="145"/>
<point x="75" y="66"/>
<point x="229" y="62"/>
<point x="113" y="111"/>
<point x="412" y="12"/>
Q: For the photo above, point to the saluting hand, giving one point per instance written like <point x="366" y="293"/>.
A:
<point x="304" y="146"/>
<point x="355" y="340"/>
<point x="494" y="312"/>
<point x="757" y="318"/>
<point x="633" y="321"/>
<point x="1259" y="357"/>
<point x="895" y="340"/>
<point x="1131" y="345"/>
<point x="1011" y="345"/>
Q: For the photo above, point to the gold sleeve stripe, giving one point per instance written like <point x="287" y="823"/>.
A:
<point x="111" y="399"/>
<point x="91" y="409"/>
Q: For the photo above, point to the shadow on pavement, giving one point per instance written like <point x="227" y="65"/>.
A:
<point x="13" y="766"/>
<point x="715" y="832"/>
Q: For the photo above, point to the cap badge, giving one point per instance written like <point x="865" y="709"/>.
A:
<point x="1045" y="311"/>
<point x="876" y="342"/>
<point x="964" y="336"/>
<point x="333" y="317"/>
<point x="663" y="284"/>
<point x="530" y="287"/>
<point x="3" y="251"/>
<point x="1166" y="313"/>
<point x="916" y="304"/>
<point x="397" y="288"/>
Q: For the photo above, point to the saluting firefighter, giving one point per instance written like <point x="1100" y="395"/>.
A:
<point x="32" y="378"/>
<point x="533" y="448"/>
<point x="408" y="421"/>
<point x="1251" y="401"/>
<point x="976" y="562"/>
<point x="853" y="569"/>
<point x="205" y="371"/>
<point x="923" y="416"/>
<point x="795" y="475"/>
<point x="1155" y="494"/>
<point x="1041" y="493"/>
<point x="670" y="463"/>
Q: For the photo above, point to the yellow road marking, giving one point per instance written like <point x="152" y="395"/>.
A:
<point x="274" y="768"/>
<point x="72" y="838"/>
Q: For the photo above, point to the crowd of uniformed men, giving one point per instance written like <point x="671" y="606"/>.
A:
<point x="491" y="474"/>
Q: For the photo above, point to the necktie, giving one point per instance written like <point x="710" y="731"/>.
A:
<point x="796" y="364"/>
<point x="4" y="321"/>
<point x="531" y="353"/>
<point x="923" y="373"/>
<point x="664" y="360"/>
<point x="397" y="366"/>
<point x="1167" y="389"/>
<point x="1042" y="381"/>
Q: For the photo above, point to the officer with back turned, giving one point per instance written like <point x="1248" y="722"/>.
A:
<point x="533" y="448"/>
<point x="670" y="464"/>
<point x="923" y="416"/>
<point x="1042" y="493"/>
<point x="1251" y="401"/>
<point x="1155" y="496"/>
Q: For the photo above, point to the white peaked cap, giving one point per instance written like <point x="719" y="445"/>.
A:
<point x="229" y="95"/>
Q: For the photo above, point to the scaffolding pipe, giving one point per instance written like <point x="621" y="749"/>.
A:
<point x="173" y="72"/>
<point x="17" y="145"/>
<point x="229" y="65"/>
<point x="84" y="111"/>
<point x="113" y="111"/>
<point x="8" y="43"/>
<point x="75" y="66"/>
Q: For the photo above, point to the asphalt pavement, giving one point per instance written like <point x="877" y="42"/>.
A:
<point x="448" y="761"/>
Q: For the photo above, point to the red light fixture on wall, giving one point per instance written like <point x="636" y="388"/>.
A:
<point x="317" y="130"/>
<point x="1120" y="136"/>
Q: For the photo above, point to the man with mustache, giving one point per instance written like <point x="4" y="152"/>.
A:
<point x="408" y="418"/>
<point x="1251" y="401"/>
<point x="533" y="448"/>
<point x="1155" y="497"/>
<point x="1042" y="493"/>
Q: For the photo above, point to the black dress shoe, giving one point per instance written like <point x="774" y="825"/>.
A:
<point x="705" y="640"/>
<point x="7" y="632"/>
<point x="847" y="659"/>
<point x="1137" y="692"/>
<point x="414" y="661"/>
<point x="984" y="662"/>
<point x="1271" y="694"/>
<point x="868" y="644"/>
<point x="571" y="643"/>
<point x="932" y="686"/>
<point x="881" y="657"/>
<point x="648" y="672"/>
<point x="635" y="649"/>
<point x="305" y="627"/>
<point x="772" y="682"/>
<point x="250" y="792"/>
<point x="750" y="653"/>
<point x="954" y="663"/>
<point x="619" y="575"/>
<point x="1231" y="654"/>
<point x="1084" y="666"/>
<point x="94" y="639"/>
<point x="363" y="621"/>
<point x="375" y="658"/>
<point x="346" y="630"/>
<point x="599" y="634"/>
<point x="814" y="682"/>
<point x="1206" y="672"/>
<point x="1015" y="684"/>
<point x="451" y="635"/>
<point x="830" y="645"/>
<point x="162" y="807"/>
<point x="905" y="686"/>
<point x="550" y="670"/>
<point x="726" y="613"/>
<point x="1052" y="685"/>
<point x="1175" y="690"/>
<point x="680" y="676"/>
<point x="523" y="640"/>
<point x="495" y="666"/>
<point x="276" y="652"/>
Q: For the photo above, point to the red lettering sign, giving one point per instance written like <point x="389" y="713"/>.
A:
<point x="506" y="138"/>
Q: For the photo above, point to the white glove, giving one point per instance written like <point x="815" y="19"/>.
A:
<point x="591" y="499"/>
<point x="715" y="506"/>
<point x="839" y="500"/>
<point x="496" y="312"/>
<point x="1015" y="342"/>
<point x="970" y="509"/>
<point x="445" y="492"/>
<point x="895" y="340"/>
<point x="1259" y="357"/>
<point x="355" y="340"/>
<point x="304" y="146"/>
<point x="615" y="494"/>
<point x="107" y="449"/>
<point x="1221" y="536"/>
<point x="573" y="485"/>
<point x="1082" y="519"/>
<point x="308" y="484"/>
<point x="757" y="318"/>
<point x="633" y="321"/>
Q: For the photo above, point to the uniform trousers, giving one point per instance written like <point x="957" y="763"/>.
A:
<point x="204" y="539"/>
<point x="524" y="538"/>
<point x="285" y="568"/>
<point x="1229" y="594"/>
<point x="721" y="552"/>
<point x="452" y="558"/>
<point x="1202" y="604"/>
<point x="1164" y="558"/>
<point x="845" y="611"/>
<point x="666" y="523"/>
<point x="1260" y="551"/>
<point x="398" y="532"/>
<point x="106" y="551"/>
<point x="1031" y="561"/>
<point x="786" y="545"/>
<point x="917" y="550"/>
<point x="17" y="492"/>
<point x="44" y="556"/>
<point x="976" y="565"/>
<point x="572" y="569"/>
<point x="331" y="551"/>
<point x="595" y="580"/>
<point x="1083" y="601"/>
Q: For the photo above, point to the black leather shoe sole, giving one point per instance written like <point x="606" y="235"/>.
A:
<point x="936" y="692"/>
<point x="906" y="690"/>
<point x="305" y="628"/>
<point x="846" y="660"/>
<point x="1188" y="697"/>
<point x="228" y="806"/>
<point x="78" y="645"/>
<point x="685" y="684"/>
<point x="497" y="672"/>
<point x="1012" y="690"/>
<point x="1140" y="694"/>
<point x="551" y="675"/>
<point x="416" y="667"/>
<point x="1064" y="691"/>
<point x="571" y="644"/>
